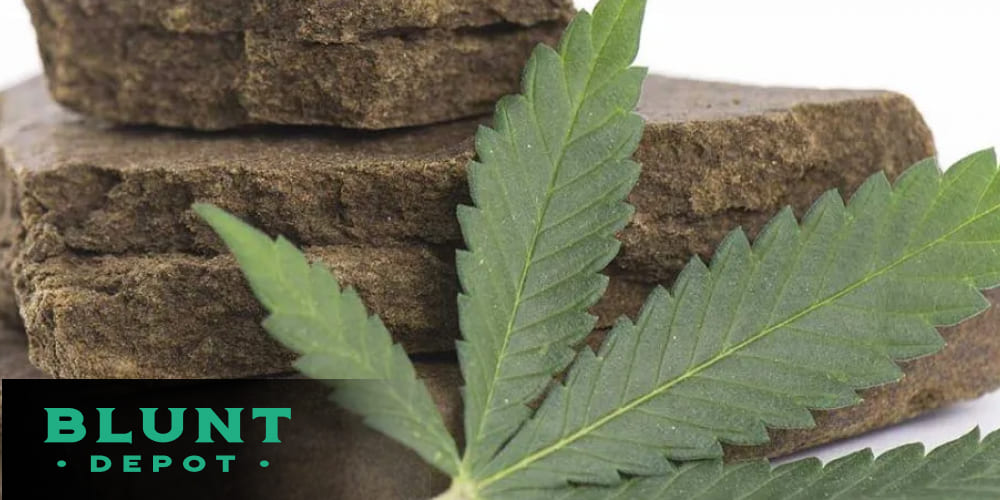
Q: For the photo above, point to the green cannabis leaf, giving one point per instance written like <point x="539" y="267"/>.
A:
<point x="548" y="191"/>
<point x="798" y="321"/>
<point x="965" y="468"/>
<point x="330" y="327"/>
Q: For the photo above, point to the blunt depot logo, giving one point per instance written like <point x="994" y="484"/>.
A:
<point x="68" y="426"/>
<point x="153" y="439"/>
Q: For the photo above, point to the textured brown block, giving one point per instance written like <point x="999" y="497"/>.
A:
<point x="715" y="156"/>
<point x="182" y="316"/>
<point x="108" y="252"/>
<point x="358" y="64"/>
<point x="322" y="21"/>
<point x="9" y="230"/>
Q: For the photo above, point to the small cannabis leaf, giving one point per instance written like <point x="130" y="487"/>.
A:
<point x="798" y="321"/>
<point x="330" y="327"/>
<point x="548" y="191"/>
<point x="965" y="468"/>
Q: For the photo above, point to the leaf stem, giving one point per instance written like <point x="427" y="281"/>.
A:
<point x="460" y="489"/>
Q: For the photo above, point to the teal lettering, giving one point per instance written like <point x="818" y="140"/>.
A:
<point x="194" y="468"/>
<point x="65" y="425"/>
<point x="107" y="435"/>
<point x="271" y="416"/>
<point x="149" y="425"/>
<point x="208" y="419"/>
<point x="130" y="463"/>
<point x="94" y="467"/>
<point x="161" y="462"/>
<point x="225" y="460"/>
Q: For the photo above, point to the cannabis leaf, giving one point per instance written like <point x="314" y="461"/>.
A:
<point x="330" y="327"/>
<point x="798" y="321"/>
<point x="965" y="468"/>
<point x="548" y="190"/>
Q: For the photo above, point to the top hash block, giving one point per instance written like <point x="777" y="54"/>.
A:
<point x="221" y="64"/>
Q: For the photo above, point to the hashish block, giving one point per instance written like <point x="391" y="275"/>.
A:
<point x="327" y="21"/>
<point x="9" y="230"/>
<point x="715" y="156"/>
<point x="105" y="223"/>
<point x="357" y="63"/>
<point x="183" y="316"/>
<point x="116" y="277"/>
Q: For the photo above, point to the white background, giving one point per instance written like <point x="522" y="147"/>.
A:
<point x="942" y="54"/>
